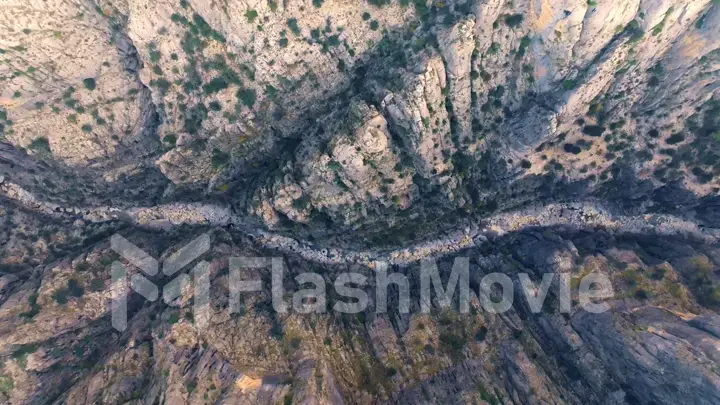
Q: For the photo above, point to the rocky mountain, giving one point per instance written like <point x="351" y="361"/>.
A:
<point x="569" y="138"/>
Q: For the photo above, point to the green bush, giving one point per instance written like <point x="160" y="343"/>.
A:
<point x="82" y="266"/>
<point x="97" y="284"/>
<point x="251" y="15"/>
<point x="219" y="158"/>
<point x="90" y="83"/>
<point x="173" y="318"/>
<point x="34" y="307"/>
<point x="374" y="25"/>
<point x="170" y="139"/>
<point x="514" y="21"/>
<point x="635" y="31"/>
<point x="569" y="84"/>
<point x="215" y="85"/>
<point x="292" y="23"/>
<point x="7" y="384"/>
<point x="675" y="139"/>
<point x="40" y="144"/>
<point x="247" y="97"/>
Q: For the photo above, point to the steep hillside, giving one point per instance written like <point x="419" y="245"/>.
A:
<point x="566" y="137"/>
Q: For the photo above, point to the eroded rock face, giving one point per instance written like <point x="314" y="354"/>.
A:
<point x="657" y="343"/>
<point x="198" y="101"/>
<point x="355" y="170"/>
<point x="344" y="134"/>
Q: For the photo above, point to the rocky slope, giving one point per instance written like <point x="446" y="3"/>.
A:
<point x="570" y="137"/>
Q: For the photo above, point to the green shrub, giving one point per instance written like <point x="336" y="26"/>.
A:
<point x="569" y="84"/>
<point x="635" y="31"/>
<point x="40" y="144"/>
<point x="247" y="97"/>
<point x="514" y="20"/>
<point x="374" y="25"/>
<point x="270" y="91"/>
<point x="219" y="158"/>
<point x="215" y="106"/>
<point x="170" y="139"/>
<point x="161" y="84"/>
<point x="675" y="139"/>
<point x="593" y="130"/>
<point x="87" y="128"/>
<point x="366" y="16"/>
<point x="34" y="307"/>
<point x="90" y="83"/>
<point x="7" y="384"/>
<point x="292" y="23"/>
<point x="251" y="15"/>
<point x="215" y="85"/>
<point x="97" y="284"/>
<point x="173" y="318"/>
<point x="60" y="296"/>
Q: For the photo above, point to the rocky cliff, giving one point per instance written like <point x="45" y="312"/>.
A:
<point x="568" y="137"/>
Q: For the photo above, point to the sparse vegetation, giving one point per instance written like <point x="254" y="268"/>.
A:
<point x="90" y="83"/>
<point x="247" y="97"/>
<point x="219" y="158"/>
<point x="514" y="20"/>
<point x="40" y="144"/>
